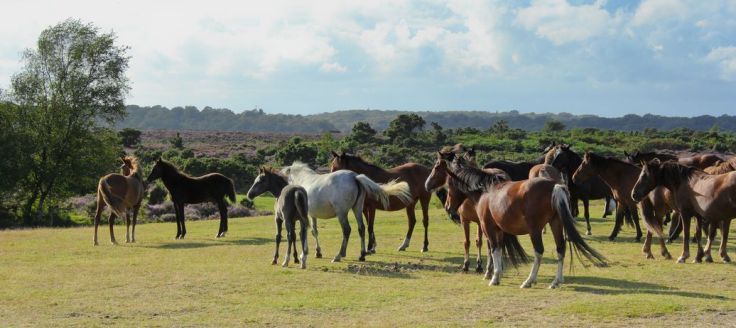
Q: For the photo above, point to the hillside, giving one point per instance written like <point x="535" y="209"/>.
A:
<point x="191" y="118"/>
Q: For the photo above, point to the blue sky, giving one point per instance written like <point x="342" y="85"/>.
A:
<point x="609" y="58"/>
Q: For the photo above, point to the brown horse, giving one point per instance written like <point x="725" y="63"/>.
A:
<point x="510" y="208"/>
<point x="722" y="167"/>
<point x="567" y="161"/>
<point x="121" y="192"/>
<point x="707" y="197"/>
<point x="620" y="177"/>
<point x="700" y="161"/>
<point x="465" y="207"/>
<point x="546" y="171"/>
<point x="412" y="173"/>
<point x="183" y="189"/>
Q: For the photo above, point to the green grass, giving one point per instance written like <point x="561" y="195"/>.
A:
<point x="55" y="277"/>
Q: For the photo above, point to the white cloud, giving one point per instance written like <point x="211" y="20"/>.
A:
<point x="333" y="68"/>
<point x="654" y="11"/>
<point x="563" y="23"/>
<point x="725" y="58"/>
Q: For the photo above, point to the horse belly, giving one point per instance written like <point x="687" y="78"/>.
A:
<point x="394" y="204"/>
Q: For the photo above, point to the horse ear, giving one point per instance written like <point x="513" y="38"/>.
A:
<point x="334" y="154"/>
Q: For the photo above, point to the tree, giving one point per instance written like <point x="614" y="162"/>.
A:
<point x="363" y="133"/>
<point x="554" y="126"/>
<point x="438" y="136"/>
<point x="499" y="127"/>
<point x="71" y="88"/>
<point x="130" y="137"/>
<point x="177" y="142"/>
<point x="403" y="127"/>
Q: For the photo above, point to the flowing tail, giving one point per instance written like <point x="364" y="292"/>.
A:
<point x="512" y="250"/>
<point x="230" y="191"/>
<point x="651" y="222"/>
<point x="561" y="204"/>
<point x="382" y="192"/>
<point x="302" y="207"/>
<point x="114" y="201"/>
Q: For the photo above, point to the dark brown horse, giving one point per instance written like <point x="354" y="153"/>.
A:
<point x="183" y="189"/>
<point x="567" y="161"/>
<point x="707" y="197"/>
<point x="620" y="177"/>
<point x="121" y="192"/>
<point x="465" y="208"/>
<point x="510" y="208"/>
<point x="700" y="161"/>
<point x="412" y="173"/>
<point x="722" y="167"/>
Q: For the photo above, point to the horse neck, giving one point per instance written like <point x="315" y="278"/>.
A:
<point x="616" y="173"/>
<point x="372" y="171"/>
<point x="278" y="185"/>
<point x="172" y="176"/>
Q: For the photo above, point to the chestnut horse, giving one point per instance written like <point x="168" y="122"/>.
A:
<point x="411" y="173"/>
<point x="722" y="167"/>
<point x="567" y="161"/>
<point x="183" y="189"/>
<point x="700" y="161"/>
<point x="465" y="212"/>
<point x="707" y="197"/>
<point x="620" y="177"/>
<point x="121" y="192"/>
<point x="510" y="208"/>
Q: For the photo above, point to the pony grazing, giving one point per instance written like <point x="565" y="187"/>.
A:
<point x="183" y="189"/>
<point x="465" y="212"/>
<point x="411" y="173"/>
<point x="121" y="192"/>
<point x="336" y="193"/>
<point x="507" y="209"/>
<point x="290" y="207"/>
<point x="710" y="198"/>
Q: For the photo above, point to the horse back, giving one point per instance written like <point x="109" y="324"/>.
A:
<point x="209" y="187"/>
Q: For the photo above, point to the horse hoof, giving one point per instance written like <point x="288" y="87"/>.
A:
<point x="681" y="260"/>
<point x="726" y="259"/>
<point x="401" y="248"/>
<point x="285" y="265"/>
<point x="465" y="269"/>
<point x="588" y="233"/>
<point x="274" y="262"/>
<point x="114" y="243"/>
<point x="650" y="257"/>
<point x="96" y="244"/>
<point x="526" y="285"/>
<point x="494" y="282"/>
<point x="554" y="285"/>
<point x="303" y="266"/>
<point x="425" y="249"/>
<point x="667" y="256"/>
<point x="479" y="270"/>
<point x="336" y="260"/>
<point x="318" y="255"/>
<point x="709" y="259"/>
<point x="362" y="259"/>
<point x="296" y="260"/>
<point x="487" y="276"/>
<point x="611" y="238"/>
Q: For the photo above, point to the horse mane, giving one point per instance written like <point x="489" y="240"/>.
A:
<point x="722" y="167"/>
<point x="172" y="168"/>
<point x="472" y="178"/>
<point x="675" y="173"/>
<point x="362" y="161"/>
<point x="135" y="166"/>
<point x="600" y="161"/>
<point x="299" y="166"/>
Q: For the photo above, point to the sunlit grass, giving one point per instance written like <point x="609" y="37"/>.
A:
<point x="55" y="277"/>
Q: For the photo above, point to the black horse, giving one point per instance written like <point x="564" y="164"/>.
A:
<point x="183" y="189"/>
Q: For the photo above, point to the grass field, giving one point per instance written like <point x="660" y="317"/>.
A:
<point x="55" y="277"/>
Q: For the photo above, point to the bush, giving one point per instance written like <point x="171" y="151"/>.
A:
<point x="157" y="194"/>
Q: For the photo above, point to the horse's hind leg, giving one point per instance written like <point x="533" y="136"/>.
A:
<point x="279" y="221"/>
<point x="305" y="243"/>
<point x="358" y="212"/>
<point x="647" y="249"/>
<point x="607" y="206"/>
<point x="586" y="204"/>
<point x="290" y="239"/>
<point x="536" y="237"/>
<point x="100" y="207"/>
<point x="617" y="225"/>
<point x="712" y="230"/>
<point x="111" y="221"/>
<point x="412" y="220"/>
<point x="127" y="226"/>
<point x="725" y="225"/>
<point x="675" y="228"/>
<point x="136" y="209"/>
<point x="345" y="225"/>
<point x="178" y="209"/>
<point x="466" y="243"/>
<point x="315" y="233"/>
<point x="370" y="217"/>
<point x="223" y="218"/>
<point x="635" y="216"/>
<point x="479" y="245"/>
<point x="557" y="232"/>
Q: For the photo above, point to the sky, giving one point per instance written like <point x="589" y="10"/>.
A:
<point x="608" y="58"/>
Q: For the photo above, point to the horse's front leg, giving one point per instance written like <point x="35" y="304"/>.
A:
<point x="712" y="230"/>
<point x="479" y="245"/>
<point x="424" y="203"/>
<point x="685" y="218"/>
<point x="370" y="216"/>
<point x="111" y="221"/>
<point x="496" y="249"/>
<point x="586" y="206"/>
<point x="725" y="226"/>
<point x="290" y="240"/>
<point x="698" y="238"/>
<point x="315" y="234"/>
<point x="466" y="243"/>
<point x="634" y="212"/>
<point x="222" y="208"/>
<point x="136" y="210"/>
<point x="647" y="249"/>
<point x="127" y="226"/>
<point x="305" y="244"/>
<point x="345" y="225"/>
<point x="412" y="221"/>
<point x="617" y="225"/>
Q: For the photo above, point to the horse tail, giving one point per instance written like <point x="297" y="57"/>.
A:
<point x="650" y="217"/>
<point x="382" y="192"/>
<point x="302" y="204"/>
<point x="513" y="252"/>
<point x="561" y="205"/>
<point x="230" y="192"/>
<point x="114" y="201"/>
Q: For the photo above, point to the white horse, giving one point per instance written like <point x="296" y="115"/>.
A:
<point x="334" y="194"/>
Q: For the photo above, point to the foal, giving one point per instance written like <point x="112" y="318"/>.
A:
<point x="121" y="192"/>
<point x="291" y="205"/>
<point x="183" y="189"/>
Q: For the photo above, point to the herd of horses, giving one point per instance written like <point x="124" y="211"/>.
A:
<point x="505" y="200"/>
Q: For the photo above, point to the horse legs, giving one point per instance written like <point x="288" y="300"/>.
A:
<point x="466" y="243"/>
<point x="725" y="225"/>
<point x="412" y="222"/>
<point x="127" y="226"/>
<point x="675" y="229"/>
<point x="617" y="225"/>
<point x="111" y="220"/>
<point x="635" y="216"/>
<point x="345" y="225"/>
<point x="586" y="204"/>
<point x="536" y="237"/>
<point x="136" y="209"/>
<point x="685" y="217"/>
<point x="479" y="245"/>
<point x="647" y="249"/>
<point x="712" y="230"/>
<point x="315" y="234"/>
<point x="358" y="212"/>
<point x="424" y="203"/>
<point x="497" y="247"/>
<point x="305" y="244"/>
<point x="607" y="207"/>
<point x="179" y="209"/>
<point x="222" y="207"/>
<point x="370" y="216"/>
<point x="100" y="207"/>
<point x="290" y="239"/>
<point x="279" y="222"/>
<point x="560" y="246"/>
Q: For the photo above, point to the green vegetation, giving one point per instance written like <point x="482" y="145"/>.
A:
<point x="55" y="277"/>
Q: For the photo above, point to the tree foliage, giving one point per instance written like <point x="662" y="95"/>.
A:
<point x="130" y="137"/>
<point x="71" y="86"/>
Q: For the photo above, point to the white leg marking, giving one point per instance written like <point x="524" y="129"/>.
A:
<point x="532" y="279"/>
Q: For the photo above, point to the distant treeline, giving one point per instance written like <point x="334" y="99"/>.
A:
<point x="191" y="118"/>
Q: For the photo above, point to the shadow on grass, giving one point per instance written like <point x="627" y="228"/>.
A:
<point x="624" y="287"/>
<point x="218" y="242"/>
